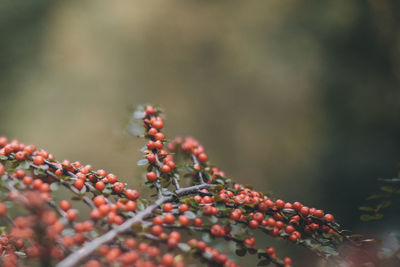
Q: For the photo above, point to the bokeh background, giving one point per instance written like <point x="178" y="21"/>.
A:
<point x="298" y="98"/>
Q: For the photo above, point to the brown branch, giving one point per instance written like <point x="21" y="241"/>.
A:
<point x="78" y="256"/>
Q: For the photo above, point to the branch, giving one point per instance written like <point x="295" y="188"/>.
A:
<point x="78" y="256"/>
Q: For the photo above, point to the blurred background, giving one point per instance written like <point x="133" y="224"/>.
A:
<point x="298" y="98"/>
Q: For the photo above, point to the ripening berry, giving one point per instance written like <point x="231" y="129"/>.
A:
<point x="132" y="194"/>
<point x="197" y="222"/>
<point x="253" y="224"/>
<point x="2" y="170"/>
<point x="293" y="237"/>
<point x="158" y="124"/>
<point x="3" y="209"/>
<point x="111" y="178"/>
<point x="100" y="185"/>
<point x="65" y="205"/>
<point x="119" y="187"/>
<point x="202" y="157"/>
<point x="151" y="158"/>
<point x="20" y="173"/>
<point x="329" y="217"/>
<point x="152" y="131"/>
<point x="165" y="168"/>
<point x="38" y="160"/>
<point x="167" y="259"/>
<point x="71" y="215"/>
<point x="78" y="184"/>
<point x="304" y="210"/>
<point x="270" y="251"/>
<point x="158" y="220"/>
<point x="130" y="243"/>
<point x="319" y="213"/>
<point x="20" y="155"/>
<point x="280" y="204"/>
<point x="183" y="208"/>
<point x="169" y="218"/>
<point x="289" y="229"/>
<point x="167" y="207"/>
<point x="130" y="205"/>
<point x="184" y="220"/>
<point x="159" y="136"/>
<point x="27" y="180"/>
<point x="99" y="200"/>
<point x="151" y="176"/>
<point x="156" y="230"/>
<point x="287" y="260"/>
<point x="3" y="141"/>
<point x="175" y="235"/>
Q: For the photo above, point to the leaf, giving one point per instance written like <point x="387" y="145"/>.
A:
<point x="264" y="262"/>
<point x="139" y="204"/>
<point x="329" y="250"/>
<point x="142" y="162"/>
<point x="190" y="215"/>
<point x="241" y="252"/>
<point x="206" y="237"/>
<point x="184" y="247"/>
<point x="367" y="217"/>
<point x="208" y="255"/>
<point x="54" y="186"/>
<point x="388" y="189"/>
<point x="367" y="209"/>
<point x="138" y="114"/>
<point x="136" y="129"/>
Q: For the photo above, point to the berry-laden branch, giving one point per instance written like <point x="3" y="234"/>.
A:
<point x="195" y="208"/>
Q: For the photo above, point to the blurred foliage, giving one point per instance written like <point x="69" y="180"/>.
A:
<point x="298" y="98"/>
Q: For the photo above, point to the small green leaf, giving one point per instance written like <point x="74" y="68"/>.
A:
<point x="366" y="209"/>
<point x="184" y="247"/>
<point x="142" y="162"/>
<point x="54" y="186"/>
<point x="190" y="215"/>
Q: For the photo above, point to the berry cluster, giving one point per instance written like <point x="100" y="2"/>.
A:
<point x="181" y="225"/>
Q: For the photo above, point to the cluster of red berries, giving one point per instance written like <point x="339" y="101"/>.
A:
<point x="212" y="205"/>
<point x="158" y="158"/>
<point x="132" y="253"/>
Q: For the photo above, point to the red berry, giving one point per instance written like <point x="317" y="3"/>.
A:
<point x="132" y="194"/>
<point x="253" y="224"/>
<point x="158" y="124"/>
<point x="156" y="230"/>
<point x="329" y="217"/>
<point x="78" y="184"/>
<point x="169" y="218"/>
<point x="20" y="155"/>
<point x="151" y="176"/>
<point x="167" y="207"/>
<point x="183" y="208"/>
<point x="165" y="168"/>
<point x="150" y="110"/>
<point x="184" y="220"/>
<point x="65" y="205"/>
<point x="130" y="205"/>
<point x="197" y="222"/>
<point x="280" y="204"/>
<point x="119" y="187"/>
<point x="304" y="210"/>
<point x="100" y="185"/>
<point x="319" y="213"/>
<point x="167" y="259"/>
<point x="71" y="215"/>
<point x="202" y="157"/>
<point x="151" y="158"/>
<point x="111" y="178"/>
